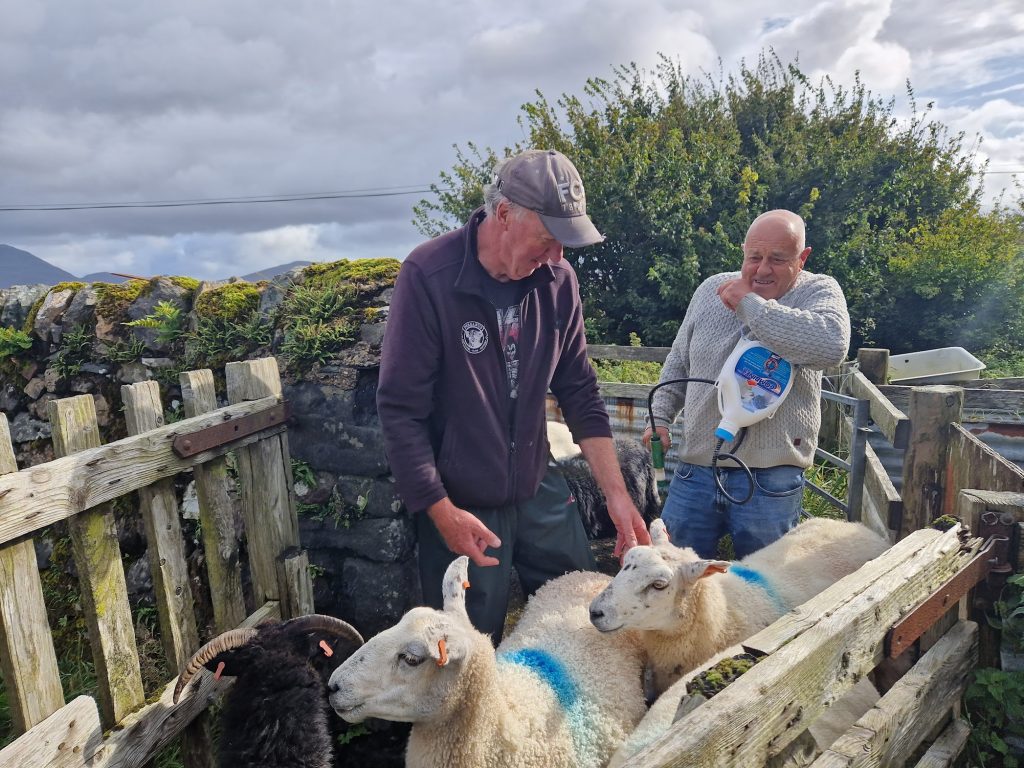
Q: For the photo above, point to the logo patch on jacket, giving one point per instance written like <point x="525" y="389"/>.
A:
<point x="474" y="337"/>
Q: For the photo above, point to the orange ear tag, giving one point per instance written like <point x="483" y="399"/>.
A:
<point x="465" y="585"/>
<point x="443" y="650"/>
<point x="328" y="651"/>
<point x="220" y="671"/>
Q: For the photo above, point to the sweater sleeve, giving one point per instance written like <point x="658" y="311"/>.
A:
<point x="410" y="360"/>
<point x="669" y="399"/>
<point x="814" y="333"/>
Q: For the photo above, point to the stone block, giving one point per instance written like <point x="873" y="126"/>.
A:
<point x="378" y="539"/>
<point x="35" y="388"/>
<point x="380" y="494"/>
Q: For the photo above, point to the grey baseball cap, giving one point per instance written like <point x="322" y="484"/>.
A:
<point x="547" y="182"/>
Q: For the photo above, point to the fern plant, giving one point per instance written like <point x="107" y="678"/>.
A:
<point x="166" y="318"/>
<point x="13" y="342"/>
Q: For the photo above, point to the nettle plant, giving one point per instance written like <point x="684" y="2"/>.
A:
<point x="1009" y="614"/>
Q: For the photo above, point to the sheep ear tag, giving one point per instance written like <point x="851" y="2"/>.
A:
<point x="455" y="584"/>
<point x="326" y="648"/>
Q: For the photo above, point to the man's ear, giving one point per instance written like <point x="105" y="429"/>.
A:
<point x="454" y="586"/>
<point x="700" y="569"/>
<point x="804" y="254"/>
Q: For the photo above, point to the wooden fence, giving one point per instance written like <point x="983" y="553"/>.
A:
<point x="122" y="729"/>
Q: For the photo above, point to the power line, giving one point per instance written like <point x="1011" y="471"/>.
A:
<point x="344" y="195"/>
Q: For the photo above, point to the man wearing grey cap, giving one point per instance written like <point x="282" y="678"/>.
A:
<point x="484" y="320"/>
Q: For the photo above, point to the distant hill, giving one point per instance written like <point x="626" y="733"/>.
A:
<point x="102" y="277"/>
<point x="271" y="272"/>
<point x="18" y="267"/>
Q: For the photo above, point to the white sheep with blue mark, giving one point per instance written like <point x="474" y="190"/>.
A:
<point x="556" y="693"/>
<point x="688" y="609"/>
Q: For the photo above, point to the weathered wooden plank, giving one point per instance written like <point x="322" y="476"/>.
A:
<point x="39" y="496"/>
<point x="295" y="584"/>
<point x="829" y="600"/>
<point x="979" y="404"/>
<point x="892" y="422"/>
<point x="878" y="487"/>
<point x="171" y="583"/>
<point x="889" y="733"/>
<point x="972" y="464"/>
<point x="136" y="739"/>
<point x="59" y="741"/>
<point x="100" y="574"/>
<point x="947" y="748"/>
<point x="933" y="412"/>
<point x="874" y="364"/>
<point x="214" y="487"/>
<point x="27" y="657"/>
<point x="761" y="713"/>
<point x="1006" y="382"/>
<point x="630" y="391"/>
<point x="171" y="587"/>
<point x="264" y="480"/>
<point x="617" y="352"/>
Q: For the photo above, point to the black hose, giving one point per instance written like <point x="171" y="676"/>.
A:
<point x="717" y="456"/>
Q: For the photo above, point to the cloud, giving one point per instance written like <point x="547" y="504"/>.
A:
<point x="128" y="101"/>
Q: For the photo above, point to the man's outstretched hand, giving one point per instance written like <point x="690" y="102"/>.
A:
<point x="463" y="532"/>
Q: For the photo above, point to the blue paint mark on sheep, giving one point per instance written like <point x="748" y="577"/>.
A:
<point x="550" y="670"/>
<point x="757" y="579"/>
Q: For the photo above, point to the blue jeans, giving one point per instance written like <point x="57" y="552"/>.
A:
<point x="697" y="515"/>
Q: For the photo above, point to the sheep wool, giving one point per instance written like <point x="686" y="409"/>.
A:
<point x="556" y="694"/>
<point x="688" y="609"/>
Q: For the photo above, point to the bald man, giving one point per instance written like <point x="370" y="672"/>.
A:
<point x="797" y="314"/>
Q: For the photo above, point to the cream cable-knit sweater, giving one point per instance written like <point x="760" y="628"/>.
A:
<point x="809" y="326"/>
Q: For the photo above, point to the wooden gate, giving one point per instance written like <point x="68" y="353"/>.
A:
<point x="121" y="728"/>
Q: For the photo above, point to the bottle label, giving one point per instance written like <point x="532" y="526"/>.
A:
<point x="762" y="377"/>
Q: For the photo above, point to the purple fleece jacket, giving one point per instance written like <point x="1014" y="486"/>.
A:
<point x="450" y="428"/>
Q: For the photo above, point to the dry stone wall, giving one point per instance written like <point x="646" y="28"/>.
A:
<point x="323" y="323"/>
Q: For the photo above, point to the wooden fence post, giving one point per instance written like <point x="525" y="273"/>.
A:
<point x="216" y="512"/>
<point x="27" y="657"/>
<point x="932" y="412"/>
<point x="166" y="546"/>
<point x="265" y="480"/>
<point x="874" y="364"/>
<point x="100" y="574"/>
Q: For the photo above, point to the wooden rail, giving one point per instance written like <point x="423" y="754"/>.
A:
<point x="121" y="729"/>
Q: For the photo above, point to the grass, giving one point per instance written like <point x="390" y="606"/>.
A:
<point x="1002" y="363"/>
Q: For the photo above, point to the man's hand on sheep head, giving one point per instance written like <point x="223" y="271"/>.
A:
<point x="629" y="525"/>
<point x="463" y="533"/>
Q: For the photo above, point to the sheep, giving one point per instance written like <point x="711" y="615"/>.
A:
<point x="637" y="471"/>
<point x="275" y="716"/>
<point x="556" y="693"/>
<point x="687" y="609"/>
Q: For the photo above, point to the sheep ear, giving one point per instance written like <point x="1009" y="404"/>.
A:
<point x="702" y="568"/>
<point x="454" y="586"/>
<point x="659" y="533"/>
<point x="447" y="648"/>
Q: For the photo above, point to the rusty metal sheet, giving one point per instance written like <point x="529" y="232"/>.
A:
<point x="204" y="439"/>
<point x="908" y="629"/>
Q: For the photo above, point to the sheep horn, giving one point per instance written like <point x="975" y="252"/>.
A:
<point x="319" y="622"/>
<point x="233" y="638"/>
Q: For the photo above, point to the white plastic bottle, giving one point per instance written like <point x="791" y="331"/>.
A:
<point x="752" y="385"/>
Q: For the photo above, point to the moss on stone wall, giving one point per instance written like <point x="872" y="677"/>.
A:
<point x="113" y="299"/>
<point x="359" y="272"/>
<point x="232" y="301"/>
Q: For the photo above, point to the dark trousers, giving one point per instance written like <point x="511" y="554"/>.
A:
<point x="542" y="537"/>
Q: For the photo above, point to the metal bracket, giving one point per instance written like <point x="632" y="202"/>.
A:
<point x="201" y="440"/>
<point x="909" y="628"/>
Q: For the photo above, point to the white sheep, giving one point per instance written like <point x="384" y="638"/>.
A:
<point x="557" y="693"/>
<point x="688" y="609"/>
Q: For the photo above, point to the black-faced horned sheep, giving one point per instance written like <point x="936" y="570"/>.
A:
<point x="637" y="471"/>
<point x="275" y="715"/>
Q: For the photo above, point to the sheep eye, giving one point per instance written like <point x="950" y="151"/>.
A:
<point x="659" y="585"/>
<point x="410" y="660"/>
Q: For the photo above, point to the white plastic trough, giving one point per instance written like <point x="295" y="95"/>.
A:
<point x="934" y="366"/>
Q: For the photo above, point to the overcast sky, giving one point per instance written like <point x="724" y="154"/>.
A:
<point x="121" y="100"/>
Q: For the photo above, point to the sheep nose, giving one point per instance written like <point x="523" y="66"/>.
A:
<point x="596" y="613"/>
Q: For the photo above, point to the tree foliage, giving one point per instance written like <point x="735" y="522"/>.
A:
<point x="676" y="167"/>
